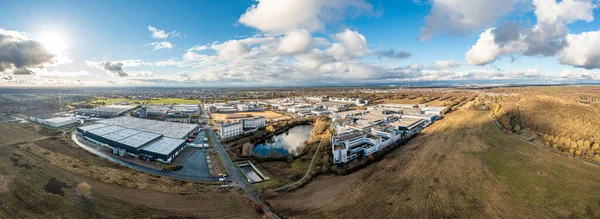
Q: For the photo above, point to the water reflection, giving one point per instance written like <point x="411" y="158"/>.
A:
<point x="284" y="143"/>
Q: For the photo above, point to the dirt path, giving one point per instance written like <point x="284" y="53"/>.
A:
<point x="312" y="161"/>
<point x="461" y="166"/>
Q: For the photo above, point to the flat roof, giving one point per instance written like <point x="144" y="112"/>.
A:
<point x="105" y="130"/>
<point x="168" y="129"/>
<point x="60" y="119"/>
<point x="140" y="139"/>
<point x="121" y="134"/>
<point x="92" y="127"/>
<point x="164" y="146"/>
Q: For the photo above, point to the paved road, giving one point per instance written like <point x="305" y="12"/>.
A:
<point x="143" y="168"/>
<point x="234" y="174"/>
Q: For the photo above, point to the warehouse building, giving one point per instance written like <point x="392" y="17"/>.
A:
<point x="168" y="129"/>
<point x="106" y="111"/>
<point x="126" y="141"/>
<point x="53" y="120"/>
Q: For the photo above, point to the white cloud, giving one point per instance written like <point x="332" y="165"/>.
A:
<point x="113" y="68"/>
<point x="547" y="38"/>
<point x="161" y="34"/>
<point x="55" y="73"/>
<point x="295" y="42"/>
<point x="199" y="48"/>
<point x="463" y="17"/>
<point x="356" y="42"/>
<point x="282" y="16"/>
<point x="231" y="48"/>
<point x="584" y="74"/>
<point x="140" y="73"/>
<point x="350" y="44"/>
<point x="160" y="45"/>
<point x="444" y="64"/>
<point x="567" y="11"/>
<point x="18" y="52"/>
<point x="582" y="50"/>
<point x="134" y="63"/>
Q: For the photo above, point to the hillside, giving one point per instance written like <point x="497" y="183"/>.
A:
<point x="462" y="166"/>
<point x="38" y="187"/>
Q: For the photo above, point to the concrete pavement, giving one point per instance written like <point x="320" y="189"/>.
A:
<point x="176" y="175"/>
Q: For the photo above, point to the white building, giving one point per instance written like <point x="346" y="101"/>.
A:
<point x="52" y="120"/>
<point x="355" y="101"/>
<point x="364" y="132"/>
<point x="229" y="130"/>
<point x="254" y="123"/>
<point x="300" y="108"/>
<point x="242" y="126"/>
<point x="243" y="107"/>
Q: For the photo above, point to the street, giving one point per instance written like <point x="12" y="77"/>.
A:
<point x="238" y="180"/>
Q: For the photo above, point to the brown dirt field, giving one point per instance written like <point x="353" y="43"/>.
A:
<point x="461" y="166"/>
<point x="267" y="114"/>
<point x="28" y="196"/>
<point x="121" y="176"/>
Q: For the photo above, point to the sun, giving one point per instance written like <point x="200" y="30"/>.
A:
<point x="54" y="42"/>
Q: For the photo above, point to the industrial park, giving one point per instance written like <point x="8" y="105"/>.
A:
<point x="260" y="151"/>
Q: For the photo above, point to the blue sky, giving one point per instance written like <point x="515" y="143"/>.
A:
<point x="328" y="42"/>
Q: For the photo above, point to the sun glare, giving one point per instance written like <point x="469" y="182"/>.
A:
<point x="54" y="42"/>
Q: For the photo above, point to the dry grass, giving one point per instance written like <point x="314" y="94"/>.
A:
<point x="218" y="117"/>
<point x="111" y="173"/>
<point x="462" y="166"/>
<point x="13" y="133"/>
<point x="4" y="181"/>
<point x="28" y="196"/>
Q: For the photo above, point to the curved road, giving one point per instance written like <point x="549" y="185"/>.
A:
<point x="140" y="167"/>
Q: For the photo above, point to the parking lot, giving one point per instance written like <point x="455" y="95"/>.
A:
<point x="193" y="161"/>
<point x="199" y="141"/>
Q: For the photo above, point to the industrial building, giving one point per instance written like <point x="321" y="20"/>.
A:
<point x="184" y="113"/>
<point x="145" y="139"/>
<point x="364" y="132"/>
<point x="242" y="126"/>
<point x="106" y="111"/>
<point x="53" y="120"/>
<point x="355" y="101"/>
<point x="300" y="108"/>
<point x="168" y="129"/>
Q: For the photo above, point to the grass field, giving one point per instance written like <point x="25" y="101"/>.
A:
<point x="161" y="101"/>
<point x="460" y="167"/>
<point x="13" y="133"/>
<point x="218" y="117"/>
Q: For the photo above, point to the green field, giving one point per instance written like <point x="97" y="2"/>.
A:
<point x="12" y="133"/>
<point x="161" y="101"/>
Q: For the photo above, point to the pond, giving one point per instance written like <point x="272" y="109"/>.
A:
<point x="284" y="143"/>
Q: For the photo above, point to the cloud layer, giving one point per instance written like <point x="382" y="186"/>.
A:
<point x="18" y="53"/>
<point x="549" y="37"/>
<point x="114" y="68"/>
